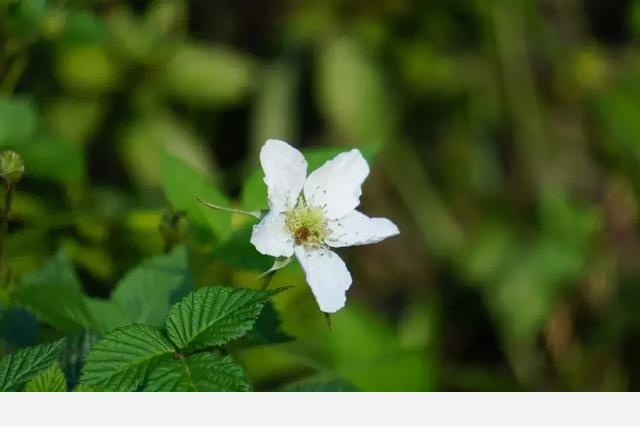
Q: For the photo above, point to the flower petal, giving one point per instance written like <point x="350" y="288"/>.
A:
<point x="270" y="236"/>
<point x="335" y="186"/>
<point x="358" y="229"/>
<point x="285" y="170"/>
<point x="327" y="275"/>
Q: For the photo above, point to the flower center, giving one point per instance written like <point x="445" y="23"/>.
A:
<point x="307" y="225"/>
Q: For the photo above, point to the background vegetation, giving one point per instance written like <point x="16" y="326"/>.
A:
<point x="505" y="142"/>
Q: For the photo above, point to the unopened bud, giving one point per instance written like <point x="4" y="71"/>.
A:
<point x="11" y="167"/>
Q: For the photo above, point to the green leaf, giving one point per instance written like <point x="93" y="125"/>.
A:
<point x="19" y="367"/>
<point x="54" y="295"/>
<point x="326" y="386"/>
<point x="147" y="293"/>
<point x="213" y="316"/>
<point x="122" y="360"/>
<point x="84" y="388"/>
<point x="58" y="270"/>
<point x="106" y="315"/>
<point x="267" y="328"/>
<point x="200" y="372"/>
<point x="18" y="121"/>
<point x="183" y="186"/>
<point x="49" y="380"/>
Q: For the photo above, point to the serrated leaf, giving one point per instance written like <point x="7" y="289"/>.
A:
<point x="213" y="316"/>
<point x="122" y="359"/>
<point x="200" y="372"/>
<point x="267" y="328"/>
<point x="84" y="388"/>
<point x="147" y="293"/>
<point x="49" y="380"/>
<point x="19" y="367"/>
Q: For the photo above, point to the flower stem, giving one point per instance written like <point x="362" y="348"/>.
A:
<point x="266" y="279"/>
<point x="327" y="317"/>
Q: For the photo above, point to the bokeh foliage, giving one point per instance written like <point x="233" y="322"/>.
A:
<point x="504" y="140"/>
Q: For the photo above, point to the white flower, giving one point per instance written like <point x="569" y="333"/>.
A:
<point x="309" y="215"/>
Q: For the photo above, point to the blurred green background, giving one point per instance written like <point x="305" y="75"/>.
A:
<point x="504" y="137"/>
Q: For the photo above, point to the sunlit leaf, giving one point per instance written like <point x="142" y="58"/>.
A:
<point x="19" y="367"/>
<point x="49" y="380"/>
<point x="122" y="360"/>
<point x="214" y="315"/>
